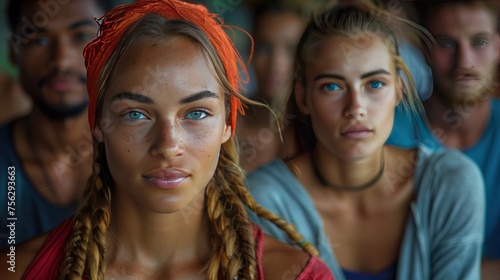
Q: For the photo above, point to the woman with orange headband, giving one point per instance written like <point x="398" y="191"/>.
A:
<point x="166" y="199"/>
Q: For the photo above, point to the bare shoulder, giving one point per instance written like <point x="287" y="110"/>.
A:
<point x="282" y="261"/>
<point x="15" y="259"/>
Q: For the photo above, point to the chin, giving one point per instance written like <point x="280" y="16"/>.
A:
<point x="173" y="205"/>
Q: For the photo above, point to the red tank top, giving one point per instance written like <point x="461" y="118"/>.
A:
<point x="46" y="264"/>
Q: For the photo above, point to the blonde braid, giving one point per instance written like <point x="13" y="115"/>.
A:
<point x="237" y="180"/>
<point x="85" y="250"/>
<point x="234" y="255"/>
<point x="287" y="227"/>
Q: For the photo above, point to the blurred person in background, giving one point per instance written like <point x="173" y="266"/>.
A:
<point x="15" y="103"/>
<point x="462" y="112"/>
<point x="276" y="31"/>
<point x="50" y="149"/>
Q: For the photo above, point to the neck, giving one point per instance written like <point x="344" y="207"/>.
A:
<point x="342" y="175"/>
<point x="158" y="240"/>
<point x="457" y="125"/>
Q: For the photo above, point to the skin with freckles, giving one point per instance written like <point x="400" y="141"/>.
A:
<point x="167" y="198"/>
<point x="167" y="120"/>
<point x="162" y="152"/>
<point x="165" y="126"/>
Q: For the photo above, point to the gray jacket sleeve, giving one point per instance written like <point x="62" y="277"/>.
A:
<point x="456" y="216"/>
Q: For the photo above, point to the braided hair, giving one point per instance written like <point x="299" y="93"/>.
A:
<point x="227" y="199"/>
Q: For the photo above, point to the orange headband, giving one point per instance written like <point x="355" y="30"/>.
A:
<point x="117" y="21"/>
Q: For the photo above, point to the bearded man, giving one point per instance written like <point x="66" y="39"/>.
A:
<point x="462" y="112"/>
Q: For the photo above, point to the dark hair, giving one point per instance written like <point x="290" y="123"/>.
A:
<point x="15" y="9"/>
<point x="275" y="7"/>
<point x="427" y="9"/>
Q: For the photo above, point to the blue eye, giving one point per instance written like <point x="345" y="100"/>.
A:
<point x="480" y="42"/>
<point x="196" y="115"/>
<point x="331" y="87"/>
<point x="376" y="84"/>
<point x="134" y="115"/>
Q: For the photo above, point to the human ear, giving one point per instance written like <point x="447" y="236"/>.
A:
<point x="300" y="97"/>
<point x="497" y="47"/>
<point x="227" y="133"/>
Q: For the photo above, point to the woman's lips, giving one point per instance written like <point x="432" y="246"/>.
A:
<point x="166" y="178"/>
<point x="357" y="132"/>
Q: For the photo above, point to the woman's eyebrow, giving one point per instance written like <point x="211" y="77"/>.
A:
<point x="340" y="77"/>
<point x="146" y="100"/>
<point x="132" y="96"/>
<point x="332" y="76"/>
<point x="376" y="72"/>
<point x="199" y="95"/>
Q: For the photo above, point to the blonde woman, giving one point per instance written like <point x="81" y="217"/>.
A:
<point x="373" y="211"/>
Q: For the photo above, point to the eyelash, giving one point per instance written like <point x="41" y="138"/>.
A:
<point x="127" y="117"/>
<point x="382" y="84"/>
<point x="323" y="87"/>
<point x="206" y="113"/>
<point x="202" y="110"/>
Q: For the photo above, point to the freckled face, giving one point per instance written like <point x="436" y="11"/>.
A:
<point x="350" y="94"/>
<point x="168" y="125"/>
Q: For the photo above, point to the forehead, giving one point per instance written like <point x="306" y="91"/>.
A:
<point x="154" y="65"/>
<point x="457" y="20"/>
<point x="284" y="22"/>
<point x="55" y="15"/>
<point x="349" y="55"/>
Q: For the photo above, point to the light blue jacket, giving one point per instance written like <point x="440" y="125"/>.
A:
<point x="443" y="234"/>
<point x="409" y="131"/>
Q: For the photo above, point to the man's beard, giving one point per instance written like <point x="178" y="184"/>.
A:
<point x="454" y="94"/>
<point x="62" y="112"/>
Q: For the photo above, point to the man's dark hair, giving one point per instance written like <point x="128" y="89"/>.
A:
<point x="15" y="9"/>
<point x="426" y="10"/>
<point x="274" y="7"/>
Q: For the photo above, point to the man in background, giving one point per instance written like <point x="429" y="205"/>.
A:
<point x="46" y="156"/>
<point x="462" y="112"/>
